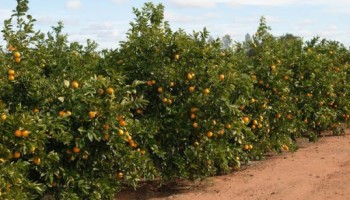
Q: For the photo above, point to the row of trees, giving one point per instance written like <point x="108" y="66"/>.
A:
<point x="77" y="123"/>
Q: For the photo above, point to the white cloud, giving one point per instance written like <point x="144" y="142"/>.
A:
<point x="73" y="4"/>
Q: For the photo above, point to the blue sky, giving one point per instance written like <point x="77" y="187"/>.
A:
<point x="107" y="21"/>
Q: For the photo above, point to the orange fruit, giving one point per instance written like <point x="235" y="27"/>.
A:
<point x="245" y="119"/>
<point x="228" y="126"/>
<point x="278" y="116"/>
<point x="206" y="91"/>
<point x="193" y="116"/>
<point x="106" y="136"/>
<point x="36" y="110"/>
<point x="11" y="77"/>
<point x="37" y="160"/>
<point x="191" y="88"/>
<point x="68" y="113"/>
<point x="122" y="123"/>
<point x="172" y="84"/>
<point x="221" y="132"/>
<point x="100" y="91"/>
<point x="25" y="133"/>
<point x="160" y="89"/>
<point x="110" y="91"/>
<point x="76" y="149"/>
<point x="252" y="100"/>
<point x="120" y="132"/>
<point x="16" y="54"/>
<point x="273" y="67"/>
<point x="246" y="147"/>
<point x="119" y="175"/>
<point x="18" y="133"/>
<point x="62" y="113"/>
<point x="193" y="110"/>
<point x="195" y="125"/>
<point x="153" y="82"/>
<point x="210" y="134"/>
<point x="165" y="100"/>
<point x="11" y="72"/>
<point x="16" y="154"/>
<point x="189" y="76"/>
<point x="17" y="60"/>
<point x="92" y="114"/>
<point x="3" y="117"/>
<point x="149" y="83"/>
<point x="255" y="122"/>
<point x="221" y="77"/>
<point x="75" y="84"/>
<point x="176" y="57"/>
<point x="250" y="146"/>
<point x="11" y="48"/>
<point x="139" y="111"/>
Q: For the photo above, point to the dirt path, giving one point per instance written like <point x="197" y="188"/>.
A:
<point x="315" y="172"/>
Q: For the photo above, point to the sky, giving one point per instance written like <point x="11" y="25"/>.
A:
<point x="107" y="21"/>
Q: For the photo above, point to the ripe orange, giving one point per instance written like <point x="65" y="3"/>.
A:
<point x="18" y="133"/>
<point x="286" y="77"/>
<point x="195" y="125"/>
<point x="75" y="84"/>
<point x="253" y="126"/>
<point x="149" y="83"/>
<point x="11" y="77"/>
<point x="76" y="149"/>
<point x="16" y="54"/>
<point x="189" y="76"/>
<point x="228" y="126"/>
<point x="11" y="48"/>
<point x="36" y="110"/>
<point x="210" y="134"/>
<point x="193" y="116"/>
<point x="68" y="113"/>
<point x="62" y="113"/>
<point x="106" y="137"/>
<point x="160" y="89"/>
<point x="25" y="133"/>
<point x="92" y="114"/>
<point x="153" y="82"/>
<point x="193" y="110"/>
<point x="191" y="88"/>
<point x="37" y="160"/>
<point x="16" y="154"/>
<point x="3" y="117"/>
<point x="165" y="100"/>
<point x="119" y="175"/>
<point x="11" y="72"/>
<point x="110" y="91"/>
<point x="250" y="146"/>
<point x="120" y="132"/>
<point x="177" y="57"/>
<point x="221" y="132"/>
<point x="221" y="77"/>
<point x="172" y="84"/>
<point x="246" y="147"/>
<point x="139" y="111"/>
<point x="100" y="91"/>
<point x="273" y="67"/>
<point x="245" y="119"/>
<point x="122" y="123"/>
<point x="206" y="91"/>
<point x="252" y="100"/>
<point x="255" y="122"/>
<point x="278" y="116"/>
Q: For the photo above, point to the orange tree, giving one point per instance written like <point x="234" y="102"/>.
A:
<point x="271" y="104"/>
<point x="320" y="85"/>
<point x="66" y="125"/>
<point x="194" y="129"/>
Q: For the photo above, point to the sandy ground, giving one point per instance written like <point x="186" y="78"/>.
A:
<point x="314" y="172"/>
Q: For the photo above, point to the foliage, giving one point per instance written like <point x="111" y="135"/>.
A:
<point x="78" y="123"/>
